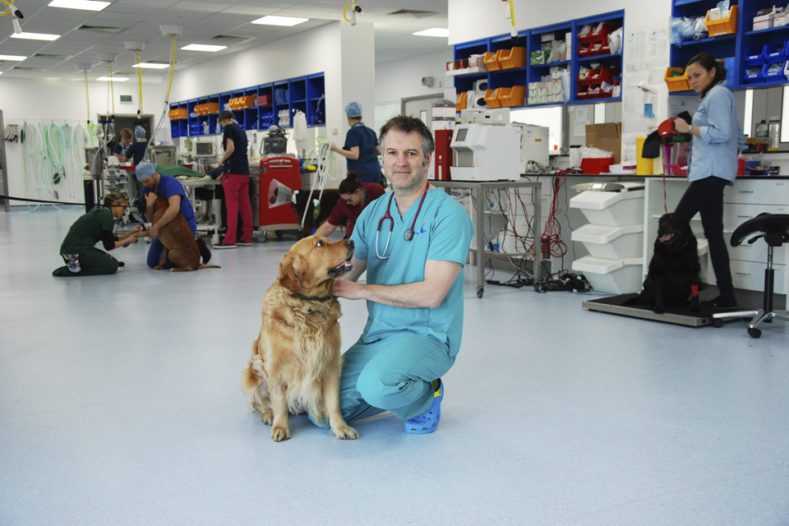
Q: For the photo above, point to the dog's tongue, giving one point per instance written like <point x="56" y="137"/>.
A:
<point x="665" y="238"/>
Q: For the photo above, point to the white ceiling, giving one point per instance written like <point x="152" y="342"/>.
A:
<point x="203" y="22"/>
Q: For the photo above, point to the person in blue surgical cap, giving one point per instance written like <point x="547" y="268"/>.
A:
<point x="165" y="191"/>
<point x="361" y="147"/>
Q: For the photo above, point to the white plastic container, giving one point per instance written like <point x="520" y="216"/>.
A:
<point x="611" y="242"/>
<point x="611" y="208"/>
<point x="615" y="276"/>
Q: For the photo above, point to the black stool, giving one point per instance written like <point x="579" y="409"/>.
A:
<point x="774" y="228"/>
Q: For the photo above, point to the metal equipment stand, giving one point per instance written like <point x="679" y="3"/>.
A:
<point x="478" y="192"/>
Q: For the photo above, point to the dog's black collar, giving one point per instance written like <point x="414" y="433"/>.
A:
<point x="302" y="297"/>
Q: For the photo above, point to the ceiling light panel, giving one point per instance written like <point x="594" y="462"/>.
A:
<point x="439" y="32"/>
<point x="203" y="47"/>
<point x="151" y="65"/>
<point x="24" y="35"/>
<point x="285" y="21"/>
<point x="12" y="58"/>
<point x="84" y="5"/>
<point x="113" y="79"/>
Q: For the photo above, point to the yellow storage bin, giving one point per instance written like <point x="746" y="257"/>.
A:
<point x="677" y="82"/>
<point x="510" y="97"/>
<point x="512" y="58"/>
<point x="462" y="101"/>
<point x="491" y="61"/>
<point x="177" y="114"/>
<point x="724" y="26"/>
<point x="492" y="98"/>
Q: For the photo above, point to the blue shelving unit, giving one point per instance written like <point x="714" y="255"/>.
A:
<point x="306" y="93"/>
<point x="534" y="71"/>
<point x="761" y="54"/>
<point x="749" y="55"/>
<point x="591" y="53"/>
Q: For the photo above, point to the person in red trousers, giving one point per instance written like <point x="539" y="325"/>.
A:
<point x="235" y="182"/>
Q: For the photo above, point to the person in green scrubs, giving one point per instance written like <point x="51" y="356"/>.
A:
<point x="413" y="243"/>
<point x="82" y="258"/>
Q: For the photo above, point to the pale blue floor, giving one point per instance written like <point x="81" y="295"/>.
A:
<point x="120" y="404"/>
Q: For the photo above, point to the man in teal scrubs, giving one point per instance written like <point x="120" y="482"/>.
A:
<point x="413" y="243"/>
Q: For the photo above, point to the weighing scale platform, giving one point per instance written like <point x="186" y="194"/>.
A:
<point x="699" y="317"/>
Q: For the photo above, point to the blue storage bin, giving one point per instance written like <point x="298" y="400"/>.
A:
<point x="731" y="69"/>
<point x="281" y="97"/>
<point x="754" y="73"/>
<point x="777" y="71"/>
<point x="752" y="61"/>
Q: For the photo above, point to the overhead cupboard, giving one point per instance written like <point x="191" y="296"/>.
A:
<point x="576" y="61"/>
<point x="751" y="37"/>
<point x="255" y="108"/>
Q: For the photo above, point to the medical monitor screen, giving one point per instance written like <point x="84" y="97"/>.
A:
<point x="461" y="134"/>
<point x="204" y="148"/>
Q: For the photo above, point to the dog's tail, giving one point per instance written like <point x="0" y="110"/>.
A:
<point x="249" y="378"/>
<point x="201" y="266"/>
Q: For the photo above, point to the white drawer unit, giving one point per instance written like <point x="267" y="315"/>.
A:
<point x="735" y="214"/>
<point x="756" y="253"/>
<point x="749" y="275"/>
<point x="758" y="192"/>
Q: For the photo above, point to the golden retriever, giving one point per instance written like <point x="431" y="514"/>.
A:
<point x="295" y="364"/>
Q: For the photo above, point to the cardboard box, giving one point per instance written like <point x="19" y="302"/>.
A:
<point x="607" y="136"/>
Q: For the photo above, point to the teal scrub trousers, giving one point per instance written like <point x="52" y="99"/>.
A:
<point x="392" y="374"/>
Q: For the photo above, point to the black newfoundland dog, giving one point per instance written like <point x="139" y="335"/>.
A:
<point x="673" y="277"/>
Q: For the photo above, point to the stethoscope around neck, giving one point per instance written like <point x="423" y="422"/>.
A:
<point x="409" y="233"/>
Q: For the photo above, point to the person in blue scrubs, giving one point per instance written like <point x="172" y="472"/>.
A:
<point x="165" y="191"/>
<point x="413" y="243"/>
<point x="717" y="136"/>
<point x="361" y="147"/>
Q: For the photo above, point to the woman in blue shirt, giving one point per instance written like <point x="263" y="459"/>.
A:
<point x="713" y="163"/>
<point x="361" y="147"/>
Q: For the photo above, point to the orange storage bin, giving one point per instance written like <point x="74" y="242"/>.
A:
<point x="241" y="103"/>
<point x="208" y="108"/>
<point x="512" y="58"/>
<point x="491" y="60"/>
<point x="677" y="82"/>
<point x="724" y="26"/>
<point x="462" y="101"/>
<point x="510" y="97"/>
<point x="177" y="114"/>
<point x="492" y="98"/>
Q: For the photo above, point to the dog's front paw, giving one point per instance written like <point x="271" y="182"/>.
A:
<point x="345" y="432"/>
<point x="280" y="433"/>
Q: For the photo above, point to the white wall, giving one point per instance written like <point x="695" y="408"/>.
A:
<point x="645" y="21"/>
<point x="402" y="78"/>
<point x="345" y="55"/>
<point x="63" y="101"/>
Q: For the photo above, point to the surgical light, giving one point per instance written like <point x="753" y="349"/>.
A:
<point x="439" y="32"/>
<point x="151" y="65"/>
<point x="34" y="36"/>
<point x="84" y="5"/>
<point x="12" y="58"/>
<point x="285" y="21"/>
<point x="203" y="47"/>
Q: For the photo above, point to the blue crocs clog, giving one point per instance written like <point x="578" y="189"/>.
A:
<point x="427" y="422"/>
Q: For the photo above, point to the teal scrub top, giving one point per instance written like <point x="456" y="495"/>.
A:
<point x="442" y="232"/>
